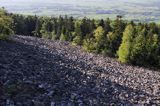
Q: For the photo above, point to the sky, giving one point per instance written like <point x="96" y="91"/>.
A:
<point x="73" y="1"/>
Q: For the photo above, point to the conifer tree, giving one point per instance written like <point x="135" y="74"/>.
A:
<point x="138" y="52"/>
<point x="152" y="48"/>
<point x="89" y="45"/>
<point x="47" y="29"/>
<point x="115" y="36"/>
<point x="77" y="40"/>
<point x="125" y="48"/>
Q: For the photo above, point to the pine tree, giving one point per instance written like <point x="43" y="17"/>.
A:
<point x="125" y="48"/>
<point x="38" y="26"/>
<point x="77" y="35"/>
<point x="99" y="34"/>
<point x="19" y="24"/>
<point x="138" y="53"/>
<point x="107" y="26"/>
<point x="100" y="39"/>
<point x="152" y="48"/>
<point x="115" y="36"/>
<point x="47" y="29"/>
<point x="89" y="45"/>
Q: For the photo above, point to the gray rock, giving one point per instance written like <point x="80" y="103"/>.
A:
<point x="57" y="73"/>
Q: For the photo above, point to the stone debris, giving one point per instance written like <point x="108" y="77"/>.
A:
<point x="39" y="72"/>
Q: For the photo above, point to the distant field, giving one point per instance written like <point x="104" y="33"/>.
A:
<point x="143" y="10"/>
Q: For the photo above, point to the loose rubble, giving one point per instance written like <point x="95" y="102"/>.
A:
<point x="39" y="72"/>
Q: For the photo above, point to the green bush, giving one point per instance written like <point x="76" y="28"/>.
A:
<point x="5" y="25"/>
<point x="77" y="40"/>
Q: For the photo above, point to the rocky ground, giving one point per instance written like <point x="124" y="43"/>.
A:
<point x="38" y="72"/>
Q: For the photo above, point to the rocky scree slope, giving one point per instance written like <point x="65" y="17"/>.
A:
<point x="39" y="72"/>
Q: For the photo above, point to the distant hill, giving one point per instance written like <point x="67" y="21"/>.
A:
<point x="143" y="10"/>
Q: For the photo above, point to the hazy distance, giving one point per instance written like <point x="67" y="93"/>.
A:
<point x="144" y="10"/>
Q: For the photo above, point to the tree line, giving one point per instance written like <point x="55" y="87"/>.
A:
<point x="133" y="43"/>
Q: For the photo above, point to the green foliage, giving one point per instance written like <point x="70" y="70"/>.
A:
<point x="63" y="37"/>
<point x="77" y="35"/>
<point x="89" y="45"/>
<point x="77" y="40"/>
<point x="133" y="43"/>
<point x="125" y="48"/>
<point x="46" y="30"/>
<point x="26" y="25"/>
<point x="152" y="47"/>
<point x="54" y="36"/>
<point x="99" y="34"/>
<point x="100" y="39"/>
<point x="145" y="50"/>
<point x="115" y="36"/>
<point x="139" y="46"/>
<point x="5" y="25"/>
<point x="138" y="51"/>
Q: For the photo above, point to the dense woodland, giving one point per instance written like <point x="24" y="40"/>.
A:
<point x="132" y="43"/>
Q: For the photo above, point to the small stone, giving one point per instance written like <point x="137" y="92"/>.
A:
<point x="53" y="103"/>
<point x="38" y="103"/>
<point x="73" y="96"/>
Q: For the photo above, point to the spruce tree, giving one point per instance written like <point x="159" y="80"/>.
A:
<point x="125" y="48"/>
<point x="89" y="45"/>
<point x="47" y="29"/>
<point x="77" y="35"/>
<point x="138" y="52"/>
<point x="100" y="39"/>
<point x="115" y="36"/>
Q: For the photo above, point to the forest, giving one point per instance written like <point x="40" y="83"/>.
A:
<point x="129" y="42"/>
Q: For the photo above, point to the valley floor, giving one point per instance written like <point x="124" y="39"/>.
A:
<point x="39" y="72"/>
